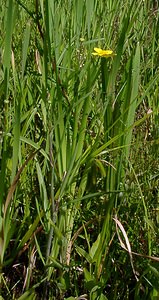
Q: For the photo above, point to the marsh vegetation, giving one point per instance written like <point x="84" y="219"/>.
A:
<point x="79" y="158"/>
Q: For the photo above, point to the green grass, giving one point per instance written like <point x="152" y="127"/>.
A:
<point x="78" y="150"/>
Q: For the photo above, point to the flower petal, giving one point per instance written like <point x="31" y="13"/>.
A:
<point x="107" y="52"/>
<point x="94" y="53"/>
<point x="98" y="50"/>
<point x="103" y="53"/>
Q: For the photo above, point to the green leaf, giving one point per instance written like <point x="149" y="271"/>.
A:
<point x="25" y="46"/>
<point x="30" y="231"/>
<point x="95" y="247"/>
<point x="102" y="297"/>
<point x="83" y="253"/>
<point x="57" y="231"/>
<point x="16" y="140"/>
<point x="88" y="277"/>
<point x="28" y="295"/>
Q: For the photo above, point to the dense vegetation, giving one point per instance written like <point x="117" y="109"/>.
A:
<point x="79" y="156"/>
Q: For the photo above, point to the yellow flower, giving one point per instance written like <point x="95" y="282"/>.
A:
<point x="103" y="53"/>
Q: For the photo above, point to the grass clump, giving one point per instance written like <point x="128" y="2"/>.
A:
<point x="78" y="150"/>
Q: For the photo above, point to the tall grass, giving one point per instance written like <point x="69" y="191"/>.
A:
<point x="71" y="125"/>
